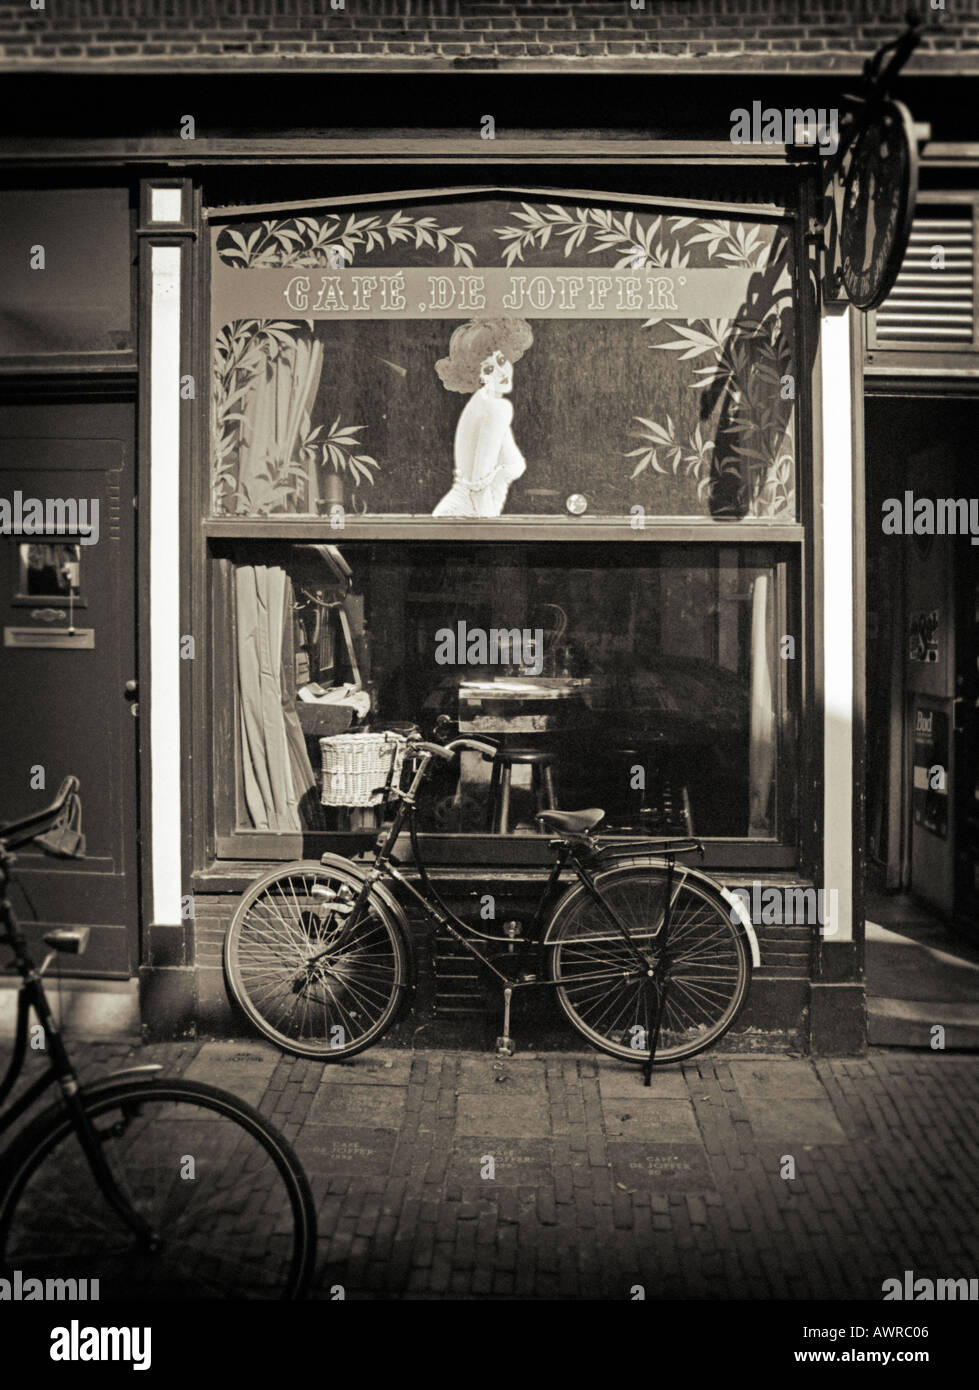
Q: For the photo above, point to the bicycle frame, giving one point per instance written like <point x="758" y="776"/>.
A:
<point x="432" y="904"/>
<point x="578" y="852"/>
<point x="31" y="995"/>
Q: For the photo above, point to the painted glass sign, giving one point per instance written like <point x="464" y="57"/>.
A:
<point x="497" y="355"/>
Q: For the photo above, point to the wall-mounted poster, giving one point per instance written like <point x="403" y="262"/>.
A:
<point x="494" y="354"/>
<point x="923" y="637"/>
<point x="930" y="784"/>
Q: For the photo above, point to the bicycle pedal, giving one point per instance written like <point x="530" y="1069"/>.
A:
<point x="505" y="1047"/>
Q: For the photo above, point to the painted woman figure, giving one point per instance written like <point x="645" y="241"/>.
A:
<point x="487" y="460"/>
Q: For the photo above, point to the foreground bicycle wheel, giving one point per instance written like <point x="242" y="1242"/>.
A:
<point x="300" y="990"/>
<point x="602" y="988"/>
<point x="222" y="1189"/>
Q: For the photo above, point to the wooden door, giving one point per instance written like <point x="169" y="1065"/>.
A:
<point x="64" y="705"/>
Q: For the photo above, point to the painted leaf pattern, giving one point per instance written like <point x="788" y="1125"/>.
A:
<point x="331" y="242"/>
<point x="275" y="484"/>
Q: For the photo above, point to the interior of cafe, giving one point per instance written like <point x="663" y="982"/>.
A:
<point x="651" y="693"/>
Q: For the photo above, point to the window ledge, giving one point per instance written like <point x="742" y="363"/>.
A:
<point x="236" y="876"/>
<point x="506" y="528"/>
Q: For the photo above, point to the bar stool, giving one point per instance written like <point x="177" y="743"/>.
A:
<point x="662" y="806"/>
<point x="541" y="781"/>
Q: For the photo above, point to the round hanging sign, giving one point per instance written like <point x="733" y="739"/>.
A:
<point x="881" y="190"/>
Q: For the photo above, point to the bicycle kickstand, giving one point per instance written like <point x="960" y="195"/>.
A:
<point x="504" y="1044"/>
<point x="660" y="993"/>
<point x="647" y="1066"/>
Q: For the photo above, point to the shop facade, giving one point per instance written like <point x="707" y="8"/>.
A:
<point x="551" y="438"/>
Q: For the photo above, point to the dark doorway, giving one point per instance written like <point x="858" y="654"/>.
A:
<point x="922" y="682"/>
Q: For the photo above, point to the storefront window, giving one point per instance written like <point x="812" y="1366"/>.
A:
<point x="516" y="464"/>
<point x="649" y="679"/>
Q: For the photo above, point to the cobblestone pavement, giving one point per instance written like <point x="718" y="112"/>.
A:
<point x="560" y="1176"/>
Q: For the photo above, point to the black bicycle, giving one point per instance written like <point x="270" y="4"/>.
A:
<point x="156" y="1188"/>
<point x="651" y="960"/>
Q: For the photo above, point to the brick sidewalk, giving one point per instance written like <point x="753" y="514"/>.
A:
<point x="560" y="1176"/>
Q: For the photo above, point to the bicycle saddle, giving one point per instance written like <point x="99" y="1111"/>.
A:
<point x="574" y="822"/>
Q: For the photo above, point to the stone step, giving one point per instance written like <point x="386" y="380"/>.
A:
<point x="917" y="982"/>
<point x="910" y="1023"/>
<point x="84" y="1009"/>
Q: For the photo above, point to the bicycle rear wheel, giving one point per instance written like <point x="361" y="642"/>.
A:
<point x="221" y="1188"/>
<point x="603" y="988"/>
<point x="349" y="995"/>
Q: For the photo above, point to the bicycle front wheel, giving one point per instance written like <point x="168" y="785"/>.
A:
<point x="603" y="987"/>
<point x="220" y="1189"/>
<point x="308" y="986"/>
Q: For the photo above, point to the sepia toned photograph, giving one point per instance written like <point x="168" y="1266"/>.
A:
<point x="489" y="690"/>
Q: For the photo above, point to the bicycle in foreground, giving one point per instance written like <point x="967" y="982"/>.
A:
<point x="155" y="1187"/>
<point x="651" y="961"/>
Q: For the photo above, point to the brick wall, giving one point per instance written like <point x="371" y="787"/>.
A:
<point x="546" y="35"/>
<point x="194" y="999"/>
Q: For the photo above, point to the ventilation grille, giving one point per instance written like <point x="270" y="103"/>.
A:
<point x="931" y="302"/>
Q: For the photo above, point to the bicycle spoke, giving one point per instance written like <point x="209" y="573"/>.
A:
<point x="302" y="975"/>
<point x="607" y="998"/>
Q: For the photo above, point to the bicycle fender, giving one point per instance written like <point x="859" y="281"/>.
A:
<point x="91" y="1090"/>
<point x="337" y="861"/>
<point x="144" y="1073"/>
<point x="738" y="910"/>
<point x="741" y="912"/>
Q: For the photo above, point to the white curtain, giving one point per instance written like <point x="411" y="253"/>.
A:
<point x="282" y="395"/>
<point x="261" y="593"/>
<point x="761" y="745"/>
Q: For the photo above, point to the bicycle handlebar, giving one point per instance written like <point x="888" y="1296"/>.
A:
<point x="448" y="752"/>
<point x="432" y="750"/>
<point x="487" y="746"/>
<point x="19" y="832"/>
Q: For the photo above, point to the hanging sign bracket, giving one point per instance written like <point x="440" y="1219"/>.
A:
<point x="870" y="183"/>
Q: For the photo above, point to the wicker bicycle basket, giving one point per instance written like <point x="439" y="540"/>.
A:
<point x="355" y="766"/>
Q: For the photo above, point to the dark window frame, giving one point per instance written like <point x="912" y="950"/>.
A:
<point x="234" y="842"/>
<point x="218" y="845"/>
